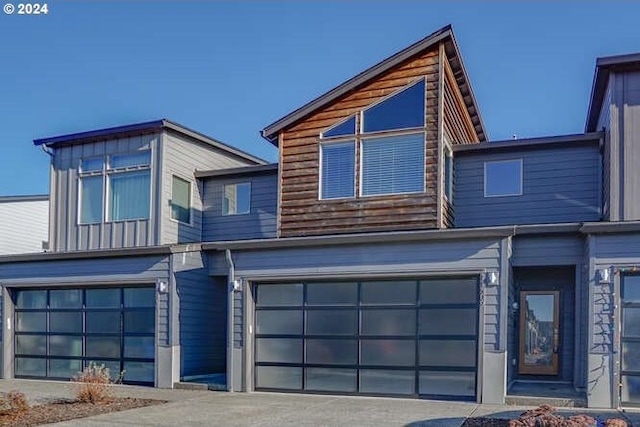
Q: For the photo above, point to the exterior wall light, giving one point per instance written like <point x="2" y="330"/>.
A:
<point x="237" y="285"/>
<point x="491" y="278"/>
<point x="604" y="275"/>
<point x="162" y="286"/>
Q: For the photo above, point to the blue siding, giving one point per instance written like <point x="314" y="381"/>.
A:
<point x="201" y="316"/>
<point x="259" y="223"/>
<point x="559" y="185"/>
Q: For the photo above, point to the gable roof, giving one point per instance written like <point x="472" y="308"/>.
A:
<point x="604" y="66"/>
<point x="142" y="128"/>
<point x="445" y="34"/>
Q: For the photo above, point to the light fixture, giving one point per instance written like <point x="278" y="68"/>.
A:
<point x="237" y="285"/>
<point x="491" y="278"/>
<point x="604" y="275"/>
<point x="162" y="286"/>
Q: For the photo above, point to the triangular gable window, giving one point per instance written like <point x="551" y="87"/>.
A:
<point x="347" y="127"/>
<point x="403" y="110"/>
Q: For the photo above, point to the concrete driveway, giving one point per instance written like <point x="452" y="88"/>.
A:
<point x="206" y="408"/>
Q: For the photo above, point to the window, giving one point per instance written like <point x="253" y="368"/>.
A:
<point x="448" y="173"/>
<point x="180" y="200"/>
<point x="392" y="162"/>
<point x="236" y="199"/>
<point x="127" y="193"/>
<point x="337" y="173"/>
<point x="503" y="178"/>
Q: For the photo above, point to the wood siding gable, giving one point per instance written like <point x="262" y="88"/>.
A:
<point x="301" y="210"/>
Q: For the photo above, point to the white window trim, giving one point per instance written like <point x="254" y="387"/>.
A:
<point x="191" y="210"/>
<point x="376" y="135"/>
<point x="224" y="185"/>
<point x="343" y="140"/>
<point x="359" y="138"/>
<point x="506" y="194"/>
<point x="105" y="173"/>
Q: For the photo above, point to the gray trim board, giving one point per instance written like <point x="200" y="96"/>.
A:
<point x="530" y="143"/>
<point x="271" y="131"/>
<point x="604" y="66"/>
<point x="146" y="127"/>
<point x="101" y="253"/>
<point x="246" y="170"/>
<point x="25" y="198"/>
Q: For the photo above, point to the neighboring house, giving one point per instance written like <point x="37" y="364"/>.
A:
<point x="392" y="251"/>
<point x="24" y="224"/>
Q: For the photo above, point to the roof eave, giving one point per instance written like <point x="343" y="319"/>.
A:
<point x="270" y="132"/>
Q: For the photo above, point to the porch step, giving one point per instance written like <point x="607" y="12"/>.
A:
<point x="558" y="402"/>
<point x="215" y="382"/>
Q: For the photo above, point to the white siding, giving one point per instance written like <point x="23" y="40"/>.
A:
<point x="24" y="225"/>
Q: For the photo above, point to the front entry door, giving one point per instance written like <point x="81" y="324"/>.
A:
<point x="539" y="332"/>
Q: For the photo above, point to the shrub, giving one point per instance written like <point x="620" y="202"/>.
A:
<point x="93" y="384"/>
<point x="544" y="416"/>
<point x="12" y="402"/>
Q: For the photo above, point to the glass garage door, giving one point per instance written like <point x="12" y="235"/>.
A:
<point x="630" y="342"/>
<point x="59" y="331"/>
<point x="405" y="338"/>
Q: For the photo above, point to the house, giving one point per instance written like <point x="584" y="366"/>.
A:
<point x="392" y="250"/>
<point x="25" y="224"/>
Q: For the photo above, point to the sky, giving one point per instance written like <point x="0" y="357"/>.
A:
<point x="229" y="69"/>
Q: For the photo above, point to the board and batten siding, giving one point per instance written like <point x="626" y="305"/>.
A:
<point x="259" y="223"/>
<point x="200" y="319"/>
<point x="627" y="99"/>
<point x="302" y="213"/>
<point x="66" y="232"/>
<point x="558" y="185"/>
<point x="116" y="271"/>
<point x="24" y="225"/>
<point x="182" y="156"/>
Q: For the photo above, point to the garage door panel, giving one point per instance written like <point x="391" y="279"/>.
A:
<point x="31" y="322"/>
<point x="461" y="353"/>
<point x="387" y="337"/>
<point x="64" y="368"/>
<point x="331" y="351"/>
<point x="389" y="322"/>
<point x="65" y="345"/>
<point x="331" y="380"/>
<point x="448" y="383"/>
<point x="448" y="321"/>
<point x="378" y="381"/>
<point x="332" y="322"/>
<point x="61" y="322"/>
<point x="279" y="377"/>
<point x="279" y="350"/>
<point x="281" y="322"/>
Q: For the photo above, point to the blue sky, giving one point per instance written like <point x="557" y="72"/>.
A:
<point x="228" y="69"/>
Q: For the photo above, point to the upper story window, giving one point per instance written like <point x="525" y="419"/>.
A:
<point x="180" y="199"/>
<point x="117" y="188"/>
<point x="236" y="199"/>
<point x="390" y="139"/>
<point x="503" y="178"/>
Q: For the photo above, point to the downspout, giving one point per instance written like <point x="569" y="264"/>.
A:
<point x="230" y="296"/>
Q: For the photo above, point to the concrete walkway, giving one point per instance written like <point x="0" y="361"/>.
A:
<point x="205" y="408"/>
